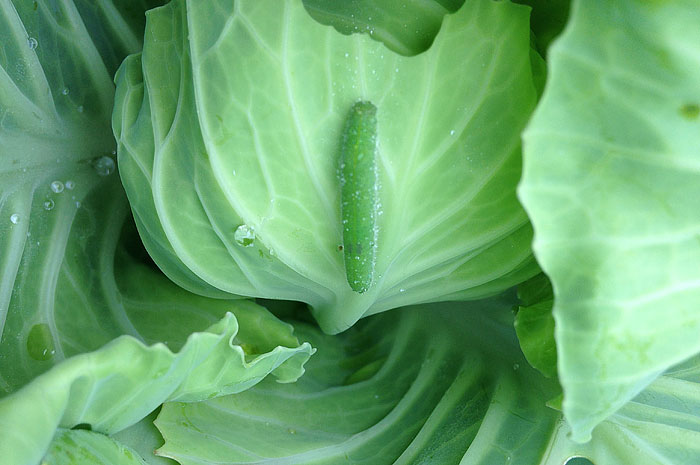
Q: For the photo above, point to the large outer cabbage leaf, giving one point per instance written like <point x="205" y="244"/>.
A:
<point x="229" y="127"/>
<point x="610" y="182"/>
<point x="444" y="384"/>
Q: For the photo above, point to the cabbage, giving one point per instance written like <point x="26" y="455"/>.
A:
<point x="231" y="157"/>
<point x="368" y="232"/>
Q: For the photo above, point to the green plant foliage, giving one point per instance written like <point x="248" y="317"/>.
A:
<point x="164" y="163"/>
<point x="610" y="183"/>
<point x="231" y="158"/>
<point x="427" y="385"/>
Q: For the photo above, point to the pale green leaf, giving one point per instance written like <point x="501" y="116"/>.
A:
<point x="433" y="385"/>
<point x="610" y="182"/>
<point x="441" y="384"/>
<point x="119" y="384"/>
<point x="229" y="126"/>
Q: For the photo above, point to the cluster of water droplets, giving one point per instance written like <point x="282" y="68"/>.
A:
<point x="103" y="166"/>
<point x="57" y="187"/>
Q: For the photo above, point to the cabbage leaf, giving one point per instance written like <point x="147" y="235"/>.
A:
<point x="229" y="125"/>
<point x="610" y="181"/>
<point x="443" y="384"/>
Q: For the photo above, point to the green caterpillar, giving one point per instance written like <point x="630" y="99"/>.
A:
<point x="359" y="193"/>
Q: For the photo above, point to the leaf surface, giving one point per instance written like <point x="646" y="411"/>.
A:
<point x="246" y="158"/>
<point x="610" y="181"/>
<point x="433" y="384"/>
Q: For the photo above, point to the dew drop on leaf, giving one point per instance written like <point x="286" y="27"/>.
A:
<point x="49" y="204"/>
<point x="32" y="43"/>
<point x="14" y="218"/>
<point x="244" y="235"/>
<point x="70" y="185"/>
<point x="57" y="187"/>
<point x="104" y="166"/>
<point x="40" y="343"/>
<point x="578" y="460"/>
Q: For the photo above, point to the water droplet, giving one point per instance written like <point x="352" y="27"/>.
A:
<point x="40" y="343"/>
<point x="77" y="204"/>
<point x="272" y="252"/>
<point x="244" y="235"/>
<point x="70" y="185"/>
<point x="104" y="166"/>
<point x="402" y="290"/>
<point x="57" y="187"/>
<point x="292" y="431"/>
<point x="347" y="54"/>
<point x="233" y="172"/>
<point x="65" y="91"/>
<point x="578" y="460"/>
<point x="49" y="204"/>
<point x="516" y="366"/>
<point x="452" y="132"/>
<point x="32" y="43"/>
<point x="80" y="108"/>
<point x="14" y="218"/>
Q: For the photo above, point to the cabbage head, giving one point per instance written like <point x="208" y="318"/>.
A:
<point x="252" y="171"/>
